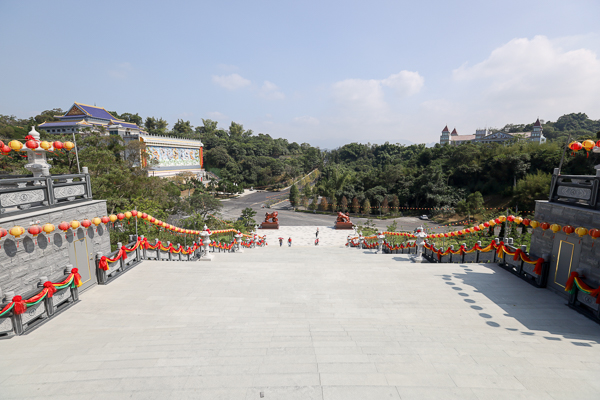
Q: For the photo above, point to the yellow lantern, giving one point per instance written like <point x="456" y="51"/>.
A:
<point x="555" y="228"/>
<point x="534" y="224"/>
<point x="481" y="226"/>
<point x="16" y="231"/>
<point x="492" y="222"/>
<point x="581" y="231"/>
<point x="69" y="145"/>
<point x="128" y="214"/>
<point x="502" y="218"/>
<point x="112" y="218"/>
<point x="45" y="145"/>
<point x="15" y="145"/>
<point x="96" y="221"/>
<point x="518" y="220"/>
<point x="588" y="144"/>
<point x="75" y="224"/>
<point x="48" y="228"/>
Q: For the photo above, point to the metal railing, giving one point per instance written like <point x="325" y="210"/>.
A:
<point x="24" y="193"/>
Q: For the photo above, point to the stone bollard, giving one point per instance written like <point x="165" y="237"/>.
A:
<point x="100" y="274"/>
<point x="462" y="256"/>
<point x="510" y="241"/>
<point x="478" y="252"/>
<point x="74" y="289"/>
<point x="143" y="252"/>
<point x="121" y="261"/>
<point x="170" y="254"/>
<point x="451" y="255"/>
<point x="380" y="239"/>
<point x="15" y="319"/>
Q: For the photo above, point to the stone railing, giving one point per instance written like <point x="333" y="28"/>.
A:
<point x="509" y="257"/>
<point x="576" y="190"/>
<point x="12" y="323"/>
<point x="23" y="193"/>
<point x="583" y="299"/>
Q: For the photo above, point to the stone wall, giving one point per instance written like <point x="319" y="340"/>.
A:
<point x="23" y="261"/>
<point x="556" y="213"/>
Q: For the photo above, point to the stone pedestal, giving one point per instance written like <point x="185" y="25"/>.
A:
<point x="343" y="225"/>
<point x="269" y="225"/>
<point x="206" y="256"/>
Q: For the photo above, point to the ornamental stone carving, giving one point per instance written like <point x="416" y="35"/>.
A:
<point x="69" y="191"/>
<point x="575" y="193"/>
<point x="60" y="296"/>
<point x="5" y="325"/>
<point x="20" y="198"/>
<point x="33" y="312"/>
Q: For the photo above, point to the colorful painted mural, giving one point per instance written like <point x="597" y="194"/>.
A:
<point x="174" y="156"/>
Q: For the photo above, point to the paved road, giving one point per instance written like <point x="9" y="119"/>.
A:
<point x="308" y="323"/>
<point x="232" y="209"/>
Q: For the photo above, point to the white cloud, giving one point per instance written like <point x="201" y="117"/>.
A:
<point x="531" y="77"/>
<point x="231" y="82"/>
<point x="270" y="91"/>
<point x="406" y="83"/>
<point x="121" y="71"/>
<point x="359" y="94"/>
<point x="306" y="120"/>
<point x="215" y="115"/>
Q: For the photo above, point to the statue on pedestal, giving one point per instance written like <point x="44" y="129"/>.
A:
<point x="273" y="223"/>
<point x="343" y="221"/>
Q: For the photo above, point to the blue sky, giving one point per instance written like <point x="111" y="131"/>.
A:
<point x="323" y="72"/>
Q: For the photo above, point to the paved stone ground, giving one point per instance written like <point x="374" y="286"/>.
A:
<point x="308" y="323"/>
<point x="305" y="236"/>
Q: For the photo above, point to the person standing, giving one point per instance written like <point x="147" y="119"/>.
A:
<point x="317" y="234"/>
<point x="316" y="241"/>
<point x="290" y="242"/>
<point x="280" y="241"/>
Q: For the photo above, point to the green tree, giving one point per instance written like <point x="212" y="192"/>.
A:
<point x="247" y="216"/>
<point x="531" y="188"/>
<point x="344" y="204"/>
<point x="294" y="195"/>
<point x="324" y="205"/>
<point x="355" y="205"/>
<point x="366" y="207"/>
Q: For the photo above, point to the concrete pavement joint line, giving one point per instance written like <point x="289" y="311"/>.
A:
<point x="296" y="323"/>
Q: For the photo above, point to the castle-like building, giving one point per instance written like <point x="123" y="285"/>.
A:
<point x="168" y="156"/>
<point x="487" y="136"/>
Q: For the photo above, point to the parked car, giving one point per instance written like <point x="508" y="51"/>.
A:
<point x="423" y="217"/>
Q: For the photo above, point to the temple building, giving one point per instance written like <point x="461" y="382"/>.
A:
<point x="83" y="118"/>
<point x="168" y="156"/>
<point x="486" y="136"/>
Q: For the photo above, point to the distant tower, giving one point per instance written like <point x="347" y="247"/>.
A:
<point x="445" y="138"/>
<point x="537" y="135"/>
<point x="454" y="133"/>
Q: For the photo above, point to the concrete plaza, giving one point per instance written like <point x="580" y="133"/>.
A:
<point x="308" y="322"/>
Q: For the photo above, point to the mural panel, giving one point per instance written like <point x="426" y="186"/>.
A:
<point x="174" y="156"/>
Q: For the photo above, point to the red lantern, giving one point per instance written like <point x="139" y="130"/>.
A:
<point x="545" y="225"/>
<point x="526" y="221"/>
<point x="476" y="228"/>
<point x="134" y="213"/>
<point x="568" y="229"/>
<point x="3" y="232"/>
<point x="510" y="218"/>
<point x="31" y="144"/>
<point x="5" y="149"/>
<point x="497" y="220"/>
<point x="86" y="223"/>
<point x="120" y="216"/>
<point x="144" y="216"/>
<point x="105" y="220"/>
<point x="34" y="230"/>
<point x="575" y="146"/>
<point x="594" y="233"/>
<point x="64" y="226"/>
<point x="152" y="219"/>
<point x="57" y="145"/>
<point x="486" y="224"/>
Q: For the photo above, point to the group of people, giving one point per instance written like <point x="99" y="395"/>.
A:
<point x="290" y="240"/>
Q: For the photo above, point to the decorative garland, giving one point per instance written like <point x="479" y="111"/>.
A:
<point x="19" y="306"/>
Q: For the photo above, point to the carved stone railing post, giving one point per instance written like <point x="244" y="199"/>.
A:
<point x="462" y="252"/>
<point x="47" y="299"/>
<point x="74" y="289"/>
<point x="100" y="273"/>
<point x="238" y="238"/>
<point x="16" y="320"/>
<point x="477" y="252"/>
<point x="497" y="240"/>
<point x="169" y="253"/>
<point x="451" y="250"/>
<point x="121" y="261"/>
